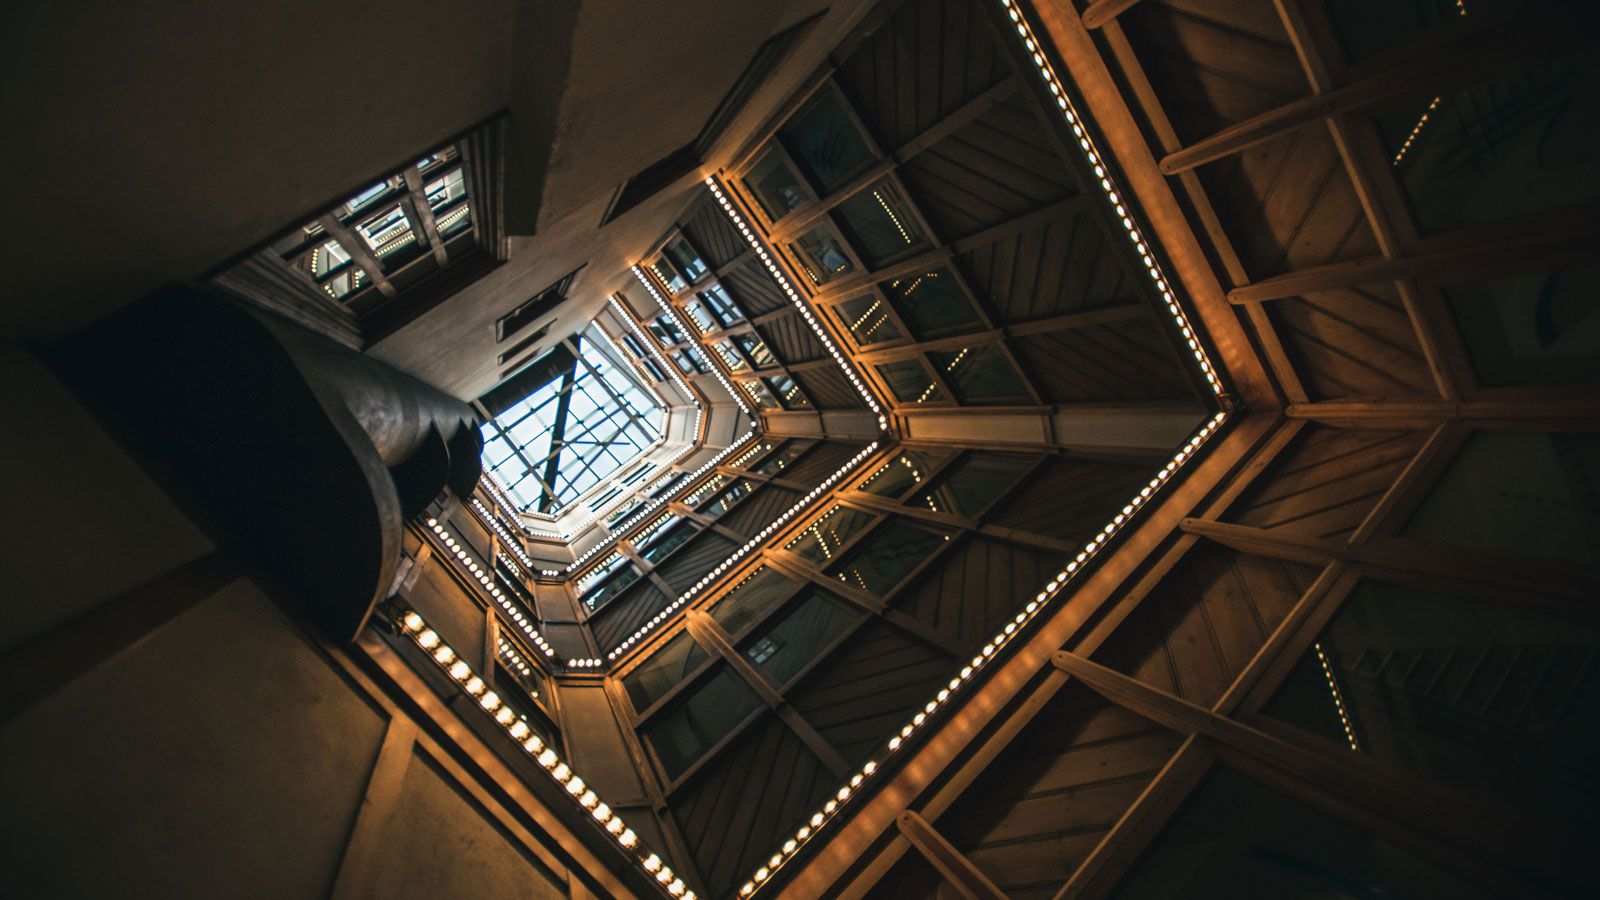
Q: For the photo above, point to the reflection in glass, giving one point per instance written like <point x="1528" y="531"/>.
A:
<point x="867" y="320"/>
<point x="824" y="142"/>
<point x="1531" y="329"/>
<point x="611" y="588"/>
<point x="1238" y="838"/>
<point x="750" y="599"/>
<point x="664" y="542"/>
<point x="682" y="734"/>
<point x="653" y="678"/>
<point x="889" y="556"/>
<point x="720" y="304"/>
<point x="759" y="393"/>
<point x="980" y="374"/>
<point x="1494" y="698"/>
<point x="977" y="481"/>
<point x="789" y="393"/>
<point x="780" y="460"/>
<point x="1518" y="492"/>
<point x="728" y="498"/>
<point x="934" y="304"/>
<point x="685" y="259"/>
<point x="796" y="639"/>
<point x="445" y="190"/>
<point x="756" y="350"/>
<point x="881" y="224"/>
<point x="821" y="255"/>
<point x="821" y="539"/>
<point x="898" y="475"/>
<point x="730" y="357"/>
<point x="909" y="381"/>
<point x="774" y="187"/>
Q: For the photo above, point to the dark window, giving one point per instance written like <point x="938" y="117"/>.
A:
<point x="889" y="556"/>
<point x="663" y="670"/>
<point x="821" y="540"/>
<point x="683" y="734"/>
<point x="750" y="600"/>
<point x="825" y="143"/>
<point x="977" y="481"/>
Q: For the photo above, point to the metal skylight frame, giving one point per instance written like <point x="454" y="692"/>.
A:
<point x="565" y="436"/>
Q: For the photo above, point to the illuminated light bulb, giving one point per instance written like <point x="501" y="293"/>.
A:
<point x="627" y="838"/>
<point x="519" y="730"/>
<point x="830" y="806"/>
<point x="489" y="701"/>
<point x="589" y="799"/>
<point x="474" y="686"/>
<point x="855" y="781"/>
<point x="789" y="846"/>
<point x="676" y="888"/>
<point x="532" y="745"/>
<point x="747" y="889"/>
<point x="919" y="718"/>
<point x="505" y="715"/>
<point x="561" y="773"/>
<point x="428" y="639"/>
<point x="548" y="758"/>
<point x="412" y="621"/>
<point x="615" y="826"/>
<point x="444" y="655"/>
<point x="460" y="670"/>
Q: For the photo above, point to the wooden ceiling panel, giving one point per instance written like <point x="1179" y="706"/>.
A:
<point x="760" y="508"/>
<point x="1353" y="343"/>
<point x="976" y="587"/>
<point x="713" y="235"/>
<point x="1070" y="498"/>
<point x="1289" y="204"/>
<point x="931" y="57"/>
<point x="1065" y="265"/>
<point x="733" y="814"/>
<point x="1034" y="815"/>
<point x="1125" y="360"/>
<point x="828" y="389"/>
<point x="753" y="289"/>
<point x="1327" y="481"/>
<point x="791" y="339"/>
<point x="861" y="695"/>
<point x="1200" y="626"/>
<point x="997" y="168"/>
<point x="1214" y="64"/>
<point x="622" y="616"/>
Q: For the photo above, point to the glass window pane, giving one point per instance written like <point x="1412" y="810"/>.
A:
<point x="799" y="636"/>
<point x="909" y="381"/>
<point x="889" y="556"/>
<point x="1237" y="838"/>
<point x="685" y="259"/>
<point x="443" y="191"/>
<point x="780" y="460"/>
<point x="454" y="221"/>
<point x="387" y="231"/>
<point x="774" y="186"/>
<point x="788" y="393"/>
<point x="1516" y="145"/>
<point x="1532" y="329"/>
<point x="933" y="304"/>
<point x="980" y="374"/>
<point x="1518" y="492"/>
<point x="750" y="599"/>
<point x="730" y="357"/>
<point x="1494" y="698"/>
<point x="664" y="542"/>
<point x="821" y="539"/>
<point x="978" y="481"/>
<point x="759" y="393"/>
<point x="867" y="320"/>
<point x="611" y="588"/>
<point x="821" y="255"/>
<point x="651" y="679"/>
<point x="755" y="349"/>
<point x="721" y="305"/>
<point x="684" y="733"/>
<point x="881" y="225"/>
<point x="898" y="475"/>
<point x="728" y="498"/>
<point x="700" y="317"/>
<point x="824" y="142"/>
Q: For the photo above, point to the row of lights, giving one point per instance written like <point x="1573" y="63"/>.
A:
<point x="694" y="346"/>
<point x="711" y="576"/>
<point x="622" y="528"/>
<point x="794" y="297"/>
<point x="513" y="658"/>
<point x="517" y="728"/>
<point x="486" y="579"/>
<point x="618" y="354"/>
<point x="506" y="539"/>
<point x="988" y="652"/>
<point x="1124" y="214"/>
<point x="585" y="663"/>
<point x="1338" y="698"/>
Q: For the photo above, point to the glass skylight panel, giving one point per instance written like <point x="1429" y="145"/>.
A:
<point x="579" y="429"/>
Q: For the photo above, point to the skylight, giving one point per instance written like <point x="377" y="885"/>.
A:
<point x="585" y="421"/>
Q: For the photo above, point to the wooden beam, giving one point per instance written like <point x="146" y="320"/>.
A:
<point x="1470" y="258"/>
<point x="1482" y="46"/>
<point x="1546" y="410"/>
<point x="1556" y="585"/>
<point x="956" y="869"/>
<point x="1065" y="322"/>
<point x="1101" y="12"/>
<point x="356" y="246"/>
<point x="1472" y="827"/>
